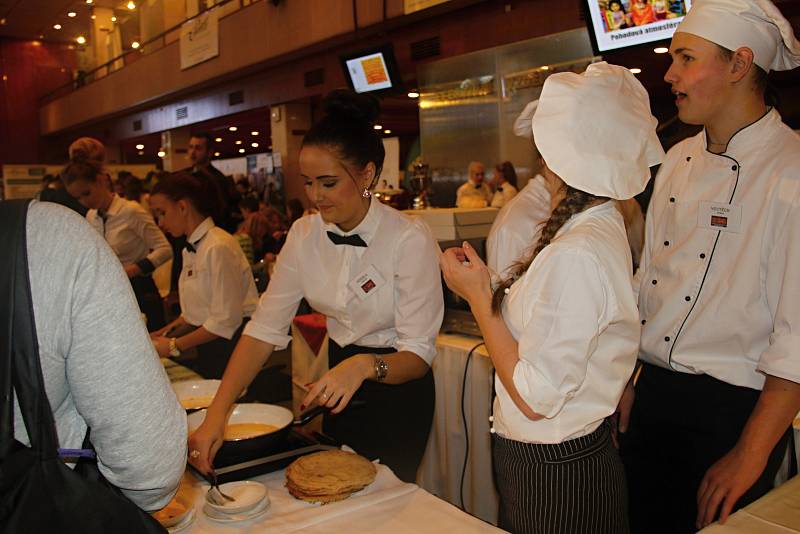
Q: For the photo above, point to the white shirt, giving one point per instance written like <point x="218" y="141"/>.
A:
<point x="725" y="302"/>
<point x="132" y="233"/>
<point x="503" y="195"/>
<point x="517" y="227"/>
<point x="573" y="314"/>
<point x="216" y="285"/>
<point x="468" y="195"/>
<point x="403" y="310"/>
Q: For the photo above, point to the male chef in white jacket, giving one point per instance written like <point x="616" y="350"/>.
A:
<point x="719" y="282"/>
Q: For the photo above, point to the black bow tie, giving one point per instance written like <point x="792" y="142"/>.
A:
<point x="478" y="186"/>
<point x="500" y="188"/>
<point x="353" y="240"/>
<point x="103" y="215"/>
<point x="191" y="247"/>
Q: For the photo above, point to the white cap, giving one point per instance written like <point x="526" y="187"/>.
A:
<point x="596" y="132"/>
<point x="755" y="24"/>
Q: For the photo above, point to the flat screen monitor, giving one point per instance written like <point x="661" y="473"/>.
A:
<point x="616" y="24"/>
<point x="372" y="70"/>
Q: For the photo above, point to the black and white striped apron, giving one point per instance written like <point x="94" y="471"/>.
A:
<point x="573" y="487"/>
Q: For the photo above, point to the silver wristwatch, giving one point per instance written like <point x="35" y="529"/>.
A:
<point x="174" y="351"/>
<point x="381" y="369"/>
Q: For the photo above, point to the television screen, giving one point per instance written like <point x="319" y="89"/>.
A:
<point x="621" y="23"/>
<point x="372" y="70"/>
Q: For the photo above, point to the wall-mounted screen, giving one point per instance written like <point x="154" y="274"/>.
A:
<point x="618" y="24"/>
<point x="372" y="70"/>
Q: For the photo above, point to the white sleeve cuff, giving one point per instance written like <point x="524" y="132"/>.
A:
<point x="781" y="359"/>
<point x="537" y="392"/>
<point x="424" y="348"/>
<point x="220" y="329"/>
<point x="267" y="335"/>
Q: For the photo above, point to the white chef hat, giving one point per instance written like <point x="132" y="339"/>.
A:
<point x="595" y="130"/>
<point x="756" y="24"/>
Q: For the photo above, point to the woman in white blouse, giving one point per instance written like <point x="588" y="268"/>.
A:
<point x="216" y="287"/>
<point x="373" y="272"/>
<point x="127" y="227"/>
<point x="563" y="329"/>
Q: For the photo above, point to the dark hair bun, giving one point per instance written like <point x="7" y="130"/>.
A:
<point x="345" y="105"/>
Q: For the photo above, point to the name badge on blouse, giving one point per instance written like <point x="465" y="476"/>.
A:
<point x="719" y="216"/>
<point x="367" y="282"/>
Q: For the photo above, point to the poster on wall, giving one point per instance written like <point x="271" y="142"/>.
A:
<point x="621" y="23"/>
<point x="199" y="39"/>
<point x="410" y="6"/>
<point x="24" y="181"/>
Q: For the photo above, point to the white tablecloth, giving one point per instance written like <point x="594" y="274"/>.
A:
<point x="777" y="512"/>
<point x="386" y="506"/>
<point x="440" y="472"/>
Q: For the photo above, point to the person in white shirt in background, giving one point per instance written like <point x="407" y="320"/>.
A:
<point x="216" y="286"/>
<point x="562" y="330"/>
<point x="719" y="280"/>
<point x="505" y="184"/>
<point x="130" y="230"/>
<point x="373" y="272"/>
<point x="475" y="192"/>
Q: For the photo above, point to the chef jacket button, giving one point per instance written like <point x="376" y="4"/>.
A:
<point x="491" y="430"/>
<point x="672" y="199"/>
<point x="666" y="338"/>
<point x="507" y="291"/>
<point x="491" y="418"/>
<point x="688" y="158"/>
<point x="734" y="168"/>
<point x="702" y="255"/>
<point x="687" y="298"/>
<point x="666" y="243"/>
<point x="654" y="282"/>
<point x="644" y="321"/>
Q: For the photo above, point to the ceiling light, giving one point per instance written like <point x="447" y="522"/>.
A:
<point x="254" y="132"/>
<point x="661" y="50"/>
<point x="140" y="147"/>
<point x="135" y="45"/>
<point x="94" y="17"/>
<point x="238" y="141"/>
<point x="216" y="154"/>
<point x="413" y="94"/>
<point x="141" y="152"/>
<point x="90" y="1"/>
<point x="387" y="131"/>
<point x="241" y="151"/>
<point x="544" y="67"/>
<point x="636" y="70"/>
<point x="36" y="43"/>
<point x="81" y="39"/>
<point x="233" y="128"/>
<point x="254" y="145"/>
<point x="131" y="5"/>
<point x="113" y="19"/>
<point x="56" y="26"/>
<point x="161" y="153"/>
<point x="72" y="14"/>
<point x="378" y="127"/>
<point x="218" y="139"/>
<point x="2" y="22"/>
<point x="5" y="78"/>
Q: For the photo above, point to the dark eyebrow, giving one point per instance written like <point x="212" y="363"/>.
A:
<point x="322" y="177"/>
<point x="681" y="50"/>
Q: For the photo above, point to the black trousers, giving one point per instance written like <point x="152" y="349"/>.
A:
<point x="212" y="357"/>
<point x="394" y="422"/>
<point x="149" y="301"/>
<point x="573" y="487"/>
<point x="681" y="424"/>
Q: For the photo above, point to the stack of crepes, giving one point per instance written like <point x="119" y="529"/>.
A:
<point x="329" y="476"/>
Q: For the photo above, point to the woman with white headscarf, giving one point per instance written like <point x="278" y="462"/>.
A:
<point x="563" y="329"/>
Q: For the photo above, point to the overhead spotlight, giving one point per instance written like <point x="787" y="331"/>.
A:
<point x="238" y="141"/>
<point x="140" y="147"/>
<point x="141" y="152"/>
<point x="378" y="127"/>
<point x="81" y="39"/>
<point x="413" y="94"/>
<point x="661" y="50"/>
<point x="131" y="5"/>
<point x="161" y="153"/>
<point x="113" y="19"/>
<point x="72" y="14"/>
<point x="254" y="145"/>
<point x="218" y="140"/>
<point x="241" y="151"/>
<point x="254" y="132"/>
<point x="3" y="22"/>
<point x="36" y="43"/>
<point x="135" y="45"/>
<point x="56" y="26"/>
<point x="93" y="17"/>
<point x="636" y="70"/>
<point x="544" y="67"/>
<point x="216" y="154"/>
<point x="232" y="128"/>
<point x="90" y="1"/>
<point x="387" y="132"/>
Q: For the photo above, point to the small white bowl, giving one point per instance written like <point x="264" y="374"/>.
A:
<point x="247" y="495"/>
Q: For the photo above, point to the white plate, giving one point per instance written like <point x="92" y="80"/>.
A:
<point x="201" y="391"/>
<point x="247" y="494"/>
<point x="268" y="414"/>
<point x="219" y="517"/>
<point x="185" y="523"/>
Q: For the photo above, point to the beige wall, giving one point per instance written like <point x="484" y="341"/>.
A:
<point x="249" y="36"/>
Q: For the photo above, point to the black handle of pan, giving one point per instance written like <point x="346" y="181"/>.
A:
<point x="312" y="413"/>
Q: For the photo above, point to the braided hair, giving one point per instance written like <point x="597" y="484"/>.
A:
<point x="574" y="202"/>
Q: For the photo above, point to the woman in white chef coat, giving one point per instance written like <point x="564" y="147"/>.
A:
<point x="563" y="329"/>
<point x="127" y="227"/>
<point x="373" y="272"/>
<point x="216" y="287"/>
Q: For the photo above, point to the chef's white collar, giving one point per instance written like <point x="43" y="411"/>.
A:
<point x="201" y="230"/>
<point x="748" y="136"/>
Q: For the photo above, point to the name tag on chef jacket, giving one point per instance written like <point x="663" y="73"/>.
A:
<point x="719" y="216"/>
<point x="367" y="282"/>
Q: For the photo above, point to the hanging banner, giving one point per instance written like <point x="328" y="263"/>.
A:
<point x="199" y="39"/>
<point x="410" y="6"/>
